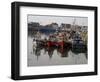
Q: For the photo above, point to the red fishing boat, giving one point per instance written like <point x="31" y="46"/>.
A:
<point x="50" y="43"/>
<point x="57" y="40"/>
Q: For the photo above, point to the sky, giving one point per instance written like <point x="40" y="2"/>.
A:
<point x="48" y="19"/>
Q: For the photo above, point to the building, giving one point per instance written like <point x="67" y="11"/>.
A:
<point x="34" y="24"/>
<point x="84" y="28"/>
<point x="66" y="27"/>
<point x="54" y="25"/>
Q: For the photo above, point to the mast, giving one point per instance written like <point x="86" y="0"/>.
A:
<point x="73" y="24"/>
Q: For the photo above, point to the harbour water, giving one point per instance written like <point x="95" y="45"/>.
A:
<point x="44" y="56"/>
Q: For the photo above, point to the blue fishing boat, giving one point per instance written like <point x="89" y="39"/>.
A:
<point x="78" y="43"/>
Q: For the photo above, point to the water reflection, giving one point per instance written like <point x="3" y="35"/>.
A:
<point x="43" y="55"/>
<point x="62" y="52"/>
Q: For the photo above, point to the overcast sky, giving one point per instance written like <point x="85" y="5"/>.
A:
<point x="43" y="19"/>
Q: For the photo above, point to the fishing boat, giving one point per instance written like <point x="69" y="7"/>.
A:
<point x="52" y="41"/>
<point x="59" y="40"/>
<point x="84" y="37"/>
<point x="77" y="42"/>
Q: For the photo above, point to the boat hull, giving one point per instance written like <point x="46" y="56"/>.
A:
<point x="59" y="44"/>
